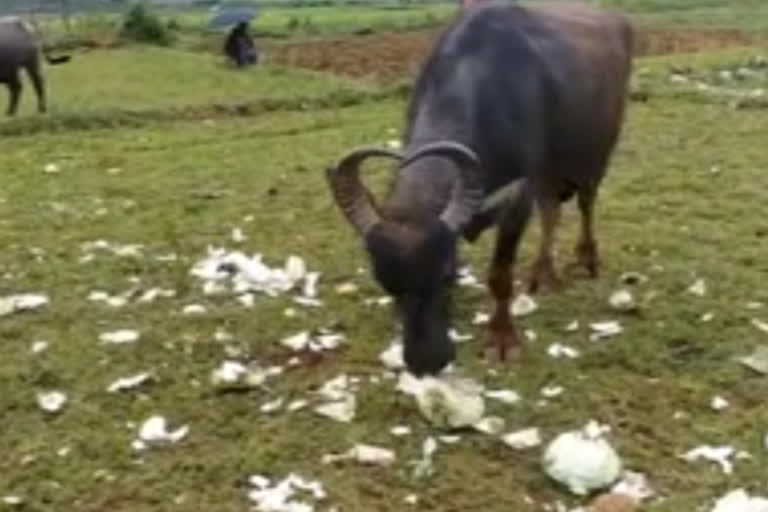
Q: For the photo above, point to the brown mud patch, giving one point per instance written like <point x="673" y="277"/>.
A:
<point x="385" y="55"/>
<point x="393" y="55"/>
<point x="665" y="41"/>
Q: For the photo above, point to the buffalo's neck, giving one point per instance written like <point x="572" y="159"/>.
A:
<point x="441" y="109"/>
<point x="443" y="103"/>
<point x="438" y="118"/>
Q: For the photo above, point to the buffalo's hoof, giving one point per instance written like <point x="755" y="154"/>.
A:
<point x="544" y="278"/>
<point x="503" y="345"/>
<point x="586" y="258"/>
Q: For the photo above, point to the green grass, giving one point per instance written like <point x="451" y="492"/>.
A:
<point x="279" y="21"/>
<point x="185" y="185"/>
<point x="99" y="29"/>
<point x="739" y="14"/>
<point x="102" y="27"/>
<point x="156" y="82"/>
<point x="337" y="19"/>
<point x="743" y="18"/>
<point x="704" y="81"/>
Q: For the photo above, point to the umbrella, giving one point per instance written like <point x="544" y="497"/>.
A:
<point x="225" y="18"/>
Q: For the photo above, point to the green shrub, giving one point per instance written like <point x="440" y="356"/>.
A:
<point x="292" y="24"/>
<point x="141" y="24"/>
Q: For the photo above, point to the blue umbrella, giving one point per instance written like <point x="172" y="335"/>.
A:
<point x="232" y="16"/>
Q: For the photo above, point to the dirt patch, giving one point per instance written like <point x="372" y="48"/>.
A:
<point x="387" y="56"/>
<point x="383" y="55"/>
<point x="657" y="41"/>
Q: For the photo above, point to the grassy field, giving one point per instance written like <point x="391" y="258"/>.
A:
<point x="102" y="28"/>
<point x="683" y="201"/>
<point x="337" y="19"/>
<point x="151" y="79"/>
<point x="743" y="14"/>
<point x="276" y="22"/>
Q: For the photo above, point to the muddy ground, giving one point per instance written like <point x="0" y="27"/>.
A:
<point x="388" y="56"/>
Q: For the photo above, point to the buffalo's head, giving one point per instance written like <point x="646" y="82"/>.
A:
<point x="414" y="260"/>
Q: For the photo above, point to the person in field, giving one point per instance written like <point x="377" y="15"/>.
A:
<point x="240" y="47"/>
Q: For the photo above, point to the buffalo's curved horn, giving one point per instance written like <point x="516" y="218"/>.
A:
<point x="467" y="195"/>
<point x="350" y="194"/>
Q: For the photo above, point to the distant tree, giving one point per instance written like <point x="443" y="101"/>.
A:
<point x="140" y="23"/>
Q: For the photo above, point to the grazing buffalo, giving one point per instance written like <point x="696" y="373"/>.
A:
<point x="515" y="106"/>
<point x="20" y="48"/>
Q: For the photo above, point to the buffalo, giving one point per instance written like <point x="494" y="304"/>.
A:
<point x="514" y="107"/>
<point x="20" y="48"/>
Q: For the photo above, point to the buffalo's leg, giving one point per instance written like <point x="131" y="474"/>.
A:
<point x="503" y="337"/>
<point x="36" y="77"/>
<point x="586" y="249"/>
<point x="14" y="92"/>
<point x="397" y="319"/>
<point x="543" y="274"/>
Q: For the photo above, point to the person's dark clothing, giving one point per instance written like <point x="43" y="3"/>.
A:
<point x="240" y="47"/>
